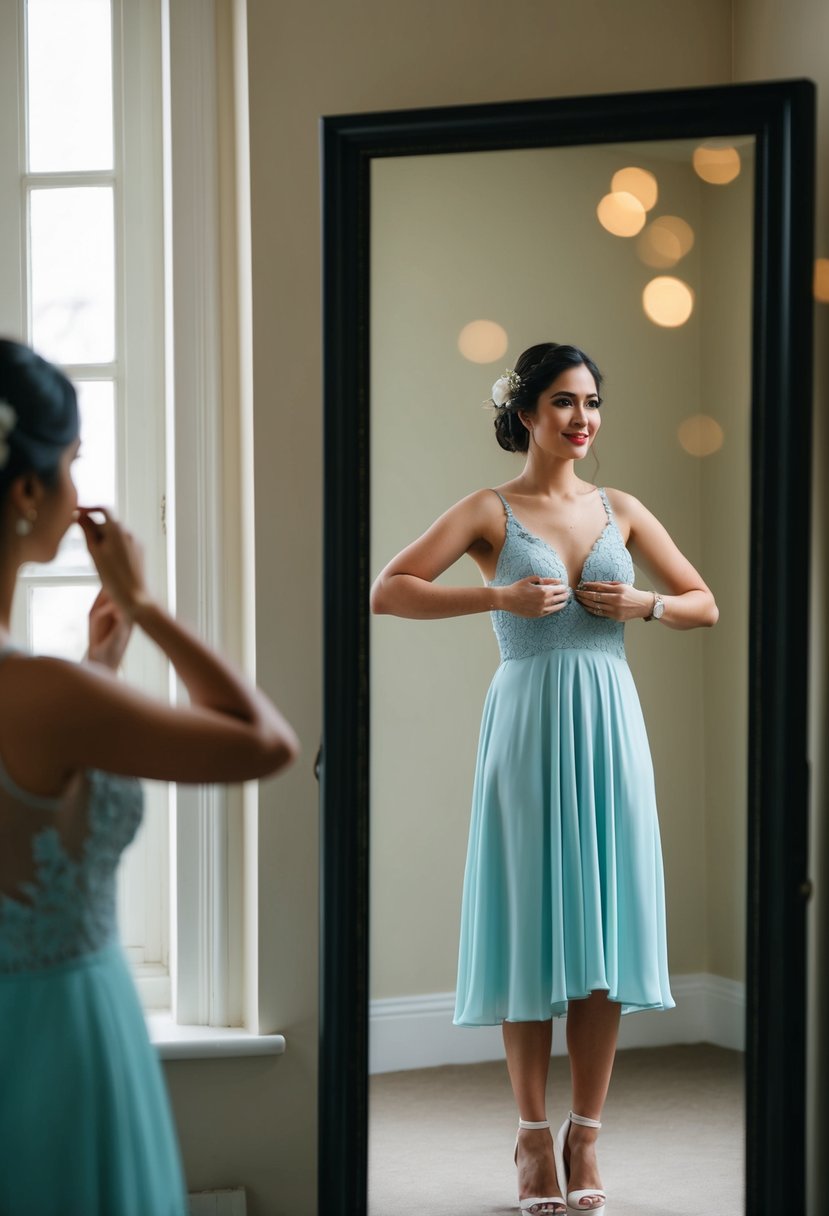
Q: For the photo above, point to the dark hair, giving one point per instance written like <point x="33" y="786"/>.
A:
<point x="46" y="407"/>
<point x="537" y="367"/>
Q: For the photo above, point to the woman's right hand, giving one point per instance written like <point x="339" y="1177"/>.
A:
<point x="118" y="558"/>
<point x="535" y="596"/>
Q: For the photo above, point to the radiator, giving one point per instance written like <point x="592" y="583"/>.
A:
<point x="226" y="1202"/>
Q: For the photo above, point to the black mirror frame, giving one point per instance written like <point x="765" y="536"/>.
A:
<point x="781" y="117"/>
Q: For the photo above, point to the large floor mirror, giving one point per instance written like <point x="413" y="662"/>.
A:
<point x="669" y="236"/>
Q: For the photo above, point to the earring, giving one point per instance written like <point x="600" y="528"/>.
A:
<point x="23" y="527"/>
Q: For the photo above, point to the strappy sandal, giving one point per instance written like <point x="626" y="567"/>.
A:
<point x="551" y="1205"/>
<point x="559" y="1143"/>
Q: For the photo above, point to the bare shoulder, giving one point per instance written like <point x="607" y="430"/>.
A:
<point x="43" y="687"/>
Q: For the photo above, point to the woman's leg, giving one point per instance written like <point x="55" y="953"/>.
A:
<point x="592" y="1031"/>
<point x="528" y="1047"/>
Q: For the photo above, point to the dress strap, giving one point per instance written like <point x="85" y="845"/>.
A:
<point x="606" y="501"/>
<point x="507" y="507"/>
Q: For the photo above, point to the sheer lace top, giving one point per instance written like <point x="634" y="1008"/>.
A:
<point x="573" y="628"/>
<point x="60" y="856"/>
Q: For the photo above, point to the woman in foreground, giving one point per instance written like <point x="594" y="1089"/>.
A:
<point x="563" y="902"/>
<point x="85" y="1127"/>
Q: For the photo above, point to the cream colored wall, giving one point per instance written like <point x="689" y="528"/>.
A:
<point x="725" y="362"/>
<point x="774" y="39"/>
<point x="256" y="1122"/>
<point x="513" y="237"/>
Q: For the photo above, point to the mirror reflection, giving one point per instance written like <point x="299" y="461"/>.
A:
<point x="639" y="255"/>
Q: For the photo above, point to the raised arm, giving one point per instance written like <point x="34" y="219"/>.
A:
<point x="475" y="525"/>
<point x="86" y="718"/>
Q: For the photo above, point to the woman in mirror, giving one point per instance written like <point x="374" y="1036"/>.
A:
<point x="563" y="900"/>
<point x="85" y="1126"/>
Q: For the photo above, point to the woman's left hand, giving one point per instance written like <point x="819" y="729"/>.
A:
<point x="616" y="601"/>
<point x="109" y="632"/>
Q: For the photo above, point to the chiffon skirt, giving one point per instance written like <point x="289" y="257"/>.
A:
<point x="564" y="890"/>
<point x="85" y="1126"/>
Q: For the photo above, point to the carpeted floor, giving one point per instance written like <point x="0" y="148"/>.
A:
<point x="441" y="1139"/>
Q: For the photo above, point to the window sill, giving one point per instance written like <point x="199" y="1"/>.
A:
<point x="175" y="1042"/>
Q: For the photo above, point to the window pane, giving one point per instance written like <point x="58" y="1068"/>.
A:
<point x="69" y="45"/>
<point x="59" y="619"/>
<point x="73" y="296"/>
<point x="94" y="470"/>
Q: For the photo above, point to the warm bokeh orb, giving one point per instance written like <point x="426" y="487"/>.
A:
<point x="621" y="213"/>
<point x="638" y="182"/>
<point x="665" y="241"/>
<point x="483" y="341"/>
<point x="821" y="280"/>
<point x="668" y="301"/>
<point x="718" y="164"/>
<point x="700" y="435"/>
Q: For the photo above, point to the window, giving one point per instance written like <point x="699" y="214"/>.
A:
<point x="80" y="187"/>
<point x="112" y="252"/>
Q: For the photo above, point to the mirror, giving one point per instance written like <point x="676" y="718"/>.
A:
<point x="435" y="223"/>
<point x="473" y="257"/>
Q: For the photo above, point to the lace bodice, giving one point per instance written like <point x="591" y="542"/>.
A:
<point x="68" y="908"/>
<point x="573" y="628"/>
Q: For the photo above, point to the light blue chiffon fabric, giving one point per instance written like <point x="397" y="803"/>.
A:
<point x="564" y="889"/>
<point x="85" y="1125"/>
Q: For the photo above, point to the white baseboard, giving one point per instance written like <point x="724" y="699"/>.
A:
<point x="417" y="1031"/>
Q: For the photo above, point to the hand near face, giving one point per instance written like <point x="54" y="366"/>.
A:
<point x="109" y="631"/>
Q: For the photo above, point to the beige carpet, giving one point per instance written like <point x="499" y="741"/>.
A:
<point x="441" y="1139"/>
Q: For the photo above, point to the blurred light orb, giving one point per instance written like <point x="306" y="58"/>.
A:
<point x="483" y="341"/>
<point x="665" y="241"/>
<point x="668" y="301"/>
<point x="621" y="213"/>
<point x="700" y="435"/>
<point x="821" y="280"/>
<point x="717" y="164"/>
<point x="638" y="182"/>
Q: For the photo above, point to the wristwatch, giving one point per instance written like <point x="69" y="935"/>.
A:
<point x="658" y="608"/>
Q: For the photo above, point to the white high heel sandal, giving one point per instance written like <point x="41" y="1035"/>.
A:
<point x="562" y="1172"/>
<point x="551" y="1205"/>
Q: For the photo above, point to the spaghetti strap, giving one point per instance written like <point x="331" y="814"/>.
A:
<point x="506" y="506"/>
<point x="606" y="501"/>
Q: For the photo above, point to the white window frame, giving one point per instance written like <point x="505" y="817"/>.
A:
<point x="181" y="334"/>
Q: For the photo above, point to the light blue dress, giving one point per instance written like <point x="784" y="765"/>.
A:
<point x="564" y="890"/>
<point x="85" y="1126"/>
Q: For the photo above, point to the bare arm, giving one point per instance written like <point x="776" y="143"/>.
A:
<point x="231" y="731"/>
<point x="689" y="603"/>
<point x="406" y="588"/>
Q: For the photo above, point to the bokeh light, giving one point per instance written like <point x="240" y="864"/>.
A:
<point x="668" y="301"/>
<point x="700" y="435"/>
<point x="717" y="164"/>
<point x="621" y="213"/>
<point x="665" y="241"/>
<point x="638" y="182"/>
<point x="483" y="341"/>
<point x="821" y="280"/>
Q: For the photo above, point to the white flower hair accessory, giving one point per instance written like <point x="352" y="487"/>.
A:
<point x="505" y="388"/>
<point x="8" y="421"/>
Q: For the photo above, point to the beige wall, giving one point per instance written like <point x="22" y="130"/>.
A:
<point x="773" y="39"/>
<point x="256" y="1122"/>
<point x="513" y="237"/>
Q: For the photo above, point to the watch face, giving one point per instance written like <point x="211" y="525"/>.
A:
<point x="658" y="609"/>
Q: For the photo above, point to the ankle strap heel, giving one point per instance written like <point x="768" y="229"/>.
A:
<point x="552" y="1205"/>
<point x="583" y="1121"/>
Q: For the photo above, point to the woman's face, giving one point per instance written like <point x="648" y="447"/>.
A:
<point x="57" y="509"/>
<point x="567" y="416"/>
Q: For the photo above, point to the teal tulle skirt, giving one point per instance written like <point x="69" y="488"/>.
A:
<point x="564" y="889"/>
<point x="85" y="1126"/>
